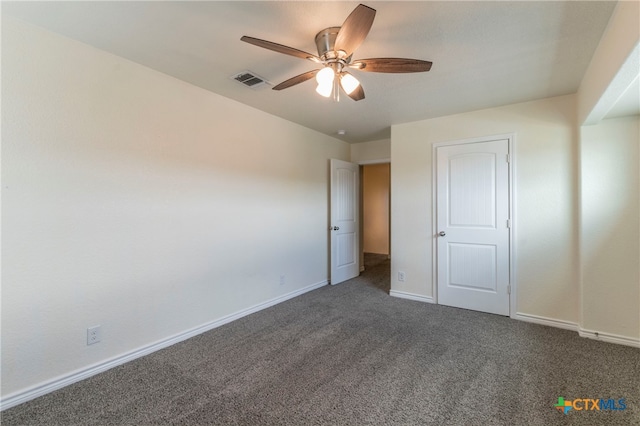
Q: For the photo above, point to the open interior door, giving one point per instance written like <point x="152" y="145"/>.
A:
<point x="344" y="227"/>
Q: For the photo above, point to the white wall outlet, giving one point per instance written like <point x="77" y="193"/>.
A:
<point x="94" y="335"/>
<point x="282" y="278"/>
<point x="401" y="276"/>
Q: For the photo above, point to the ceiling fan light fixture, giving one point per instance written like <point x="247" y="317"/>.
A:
<point x="349" y="83"/>
<point x="325" y="89"/>
<point x="325" y="76"/>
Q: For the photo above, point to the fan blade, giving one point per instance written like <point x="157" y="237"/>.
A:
<point x="355" y="29"/>
<point x="296" y="80"/>
<point x="394" y="65"/>
<point x="280" y="48"/>
<point x="357" y="94"/>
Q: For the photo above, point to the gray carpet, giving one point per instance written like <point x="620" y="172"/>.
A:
<point x="352" y="355"/>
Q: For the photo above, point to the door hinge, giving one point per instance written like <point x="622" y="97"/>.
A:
<point x="509" y="289"/>
<point x="509" y="223"/>
<point x="508" y="158"/>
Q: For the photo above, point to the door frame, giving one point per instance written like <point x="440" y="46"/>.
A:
<point x="511" y="138"/>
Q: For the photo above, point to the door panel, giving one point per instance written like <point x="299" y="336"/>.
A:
<point x="346" y="245"/>
<point x="344" y="227"/>
<point x="472" y="198"/>
<point x="472" y="266"/>
<point x="473" y="234"/>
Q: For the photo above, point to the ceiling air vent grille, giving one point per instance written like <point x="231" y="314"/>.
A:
<point x="250" y="79"/>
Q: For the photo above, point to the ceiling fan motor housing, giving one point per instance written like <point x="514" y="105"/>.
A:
<point x="325" y="42"/>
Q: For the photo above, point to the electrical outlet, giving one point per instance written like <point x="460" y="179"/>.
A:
<point x="282" y="279"/>
<point x="401" y="276"/>
<point x="94" y="335"/>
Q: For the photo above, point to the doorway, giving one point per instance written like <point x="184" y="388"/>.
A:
<point x="376" y="213"/>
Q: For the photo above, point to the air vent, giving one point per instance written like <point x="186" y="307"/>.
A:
<point x="250" y="79"/>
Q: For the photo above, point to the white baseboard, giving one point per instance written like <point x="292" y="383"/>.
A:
<point x="411" y="296"/>
<point x="590" y="334"/>
<point x="609" y="338"/>
<point x="551" y="322"/>
<point x="59" y="382"/>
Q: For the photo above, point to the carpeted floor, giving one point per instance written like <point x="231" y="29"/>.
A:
<point x="352" y="355"/>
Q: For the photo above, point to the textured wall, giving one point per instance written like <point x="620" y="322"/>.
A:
<point x="366" y="152"/>
<point x="141" y="203"/>
<point x="546" y="216"/>
<point x="610" y="227"/>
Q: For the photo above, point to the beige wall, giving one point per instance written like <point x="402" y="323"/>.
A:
<point x="546" y="216"/>
<point x="141" y="203"/>
<point x="376" y="184"/>
<point x="610" y="188"/>
<point x="367" y="152"/>
<point x="610" y="227"/>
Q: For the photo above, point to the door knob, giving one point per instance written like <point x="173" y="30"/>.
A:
<point x="336" y="228"/>
<point x="442" y="233"/>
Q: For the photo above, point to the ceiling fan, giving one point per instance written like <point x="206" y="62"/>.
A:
<point x="335" y="50"/>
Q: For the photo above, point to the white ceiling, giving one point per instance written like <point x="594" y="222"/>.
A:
<point x="484" y="54"/>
